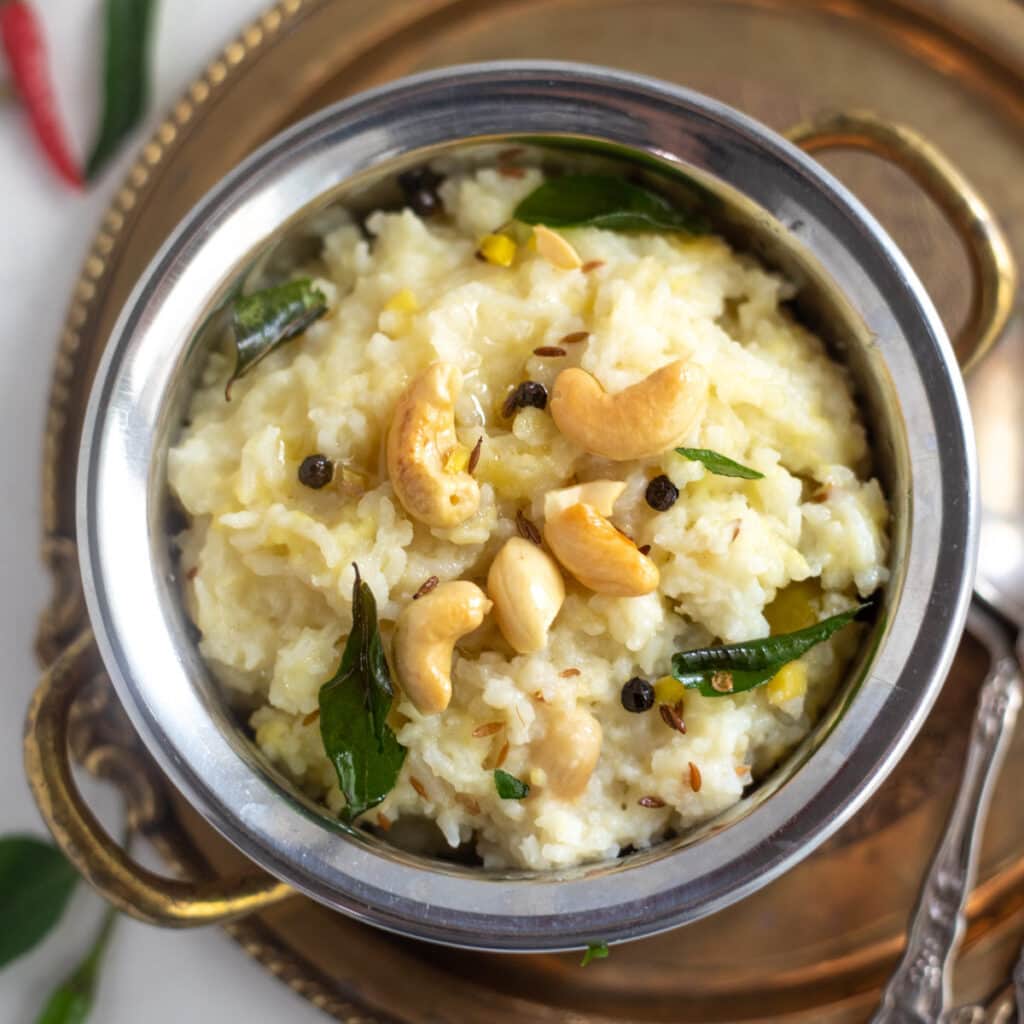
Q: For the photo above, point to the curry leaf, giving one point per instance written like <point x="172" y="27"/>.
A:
<point x="36" y="882"/>
<point x="719" y="464"/>
<point x="354" y="707"/>
<point x="270" y="317"/>
<point x="734" y="668"/>
<point x="72" y="1001"/>
<point x="509" y="787"/>
<point x="125" y="76"/>
<point x="595" y="951"/>
<point x="602" y="201"/>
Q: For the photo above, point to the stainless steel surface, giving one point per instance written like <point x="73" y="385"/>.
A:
<point x="920" y="989"/>
<point x="853" y="281"/>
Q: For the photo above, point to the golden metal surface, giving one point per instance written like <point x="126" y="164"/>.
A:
<point x="816" y="944"/>
<point x="993" y="269"/>
<point x="120" y="880"/>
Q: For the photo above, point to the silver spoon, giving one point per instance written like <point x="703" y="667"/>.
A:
<point x="919" y="991"/>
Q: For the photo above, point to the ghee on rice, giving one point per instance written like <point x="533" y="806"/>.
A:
<point x="270" y="561"/>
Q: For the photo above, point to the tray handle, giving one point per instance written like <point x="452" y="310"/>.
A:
<point x="119" y="879"/>
<point x="993" y="268"/>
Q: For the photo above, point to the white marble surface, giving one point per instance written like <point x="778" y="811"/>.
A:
<point x="158" y="976"/>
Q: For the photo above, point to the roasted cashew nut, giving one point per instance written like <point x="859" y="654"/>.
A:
<point x="527" y="590"/>
<point x="645" y="419"/>
<point x="568" y="752"/>
<point x="425" y="636"/>
<point x="421" y="436"/>
<point x="590" y="547"/>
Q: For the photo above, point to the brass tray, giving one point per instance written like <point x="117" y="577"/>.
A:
<point x="816" y="944"/>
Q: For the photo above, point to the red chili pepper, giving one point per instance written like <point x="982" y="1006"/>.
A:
<point x="22" y="39"/>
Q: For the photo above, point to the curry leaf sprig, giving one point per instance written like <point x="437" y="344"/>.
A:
<point x="72" y="1001"/>
<point x="36" y="882"/>
<point x="735" y="668"/>
<point x="266" y="319"/>
<point x="354" y="707"/>
<point x="718" y="464"/>
<point x="602" y="201"/>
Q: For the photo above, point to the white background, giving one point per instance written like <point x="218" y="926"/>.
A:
<point x="156" y="976"/>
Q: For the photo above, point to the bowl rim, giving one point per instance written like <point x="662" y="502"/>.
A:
<point x="115" y="518"/>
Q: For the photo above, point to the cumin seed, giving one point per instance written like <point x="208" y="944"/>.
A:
<point x="526" y="529"/>
<point x="488" y="729"/>
<point x="671" y="717"/>
<point x="651" y="801"/>
<point x="575" y="338"/>
<point x="418" y="786"/>
<point x="549" y="350"/>
<point x="311" y="717"/>
<point x="591" y="265"/>
<point x="721" y="682"/>
<point x="695" y="779"/>
<point x="568" y="673"/>
<point x="502" y="754"/>
<point x="474" y="455"/>
<point x="428" y="585"/>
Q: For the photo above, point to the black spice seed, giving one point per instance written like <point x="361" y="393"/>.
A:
<point x="420" y="188"/>
<point x="661" y="494"/>
<point x="637" y="695"/>
<point x="549" y="351"/>
<point x="530" y="392"/>
<point x="428" y="585"/>
<point x="316" y="471"/>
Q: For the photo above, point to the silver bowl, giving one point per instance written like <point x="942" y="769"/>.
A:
<point x="767" y="197"/>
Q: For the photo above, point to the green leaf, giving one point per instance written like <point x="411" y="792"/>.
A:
<point x="595" y="951"/>
<point x="71" y="1002"/>
<point x="600" y="201"/>
<point x="719" y="464"/>
<point x="125" y="76"/>
<point x="509" y="787"/>
<point x="270" y="317"/>
<point x="354" y="707"/>
<point x="36" y="882"/>
<point x="735" y="668"/>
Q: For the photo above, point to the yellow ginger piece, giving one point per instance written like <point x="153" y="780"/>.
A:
<point x="788" y="683"/>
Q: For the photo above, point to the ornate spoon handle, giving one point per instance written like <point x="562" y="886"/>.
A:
<point x="919" y="990"/>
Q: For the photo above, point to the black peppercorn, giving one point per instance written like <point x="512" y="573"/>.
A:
<point x="316" y="471"/>
<point x="638" y="695"/>
<point x="530" y="392"/>
<point x="420" y="187"/>
<point x="661" y="494"/>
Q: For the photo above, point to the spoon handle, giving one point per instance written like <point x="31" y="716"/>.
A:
<point x="919" y="990"/>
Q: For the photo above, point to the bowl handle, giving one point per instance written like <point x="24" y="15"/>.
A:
<point x="119" y="879"/>
<point x="993" y="268"/>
